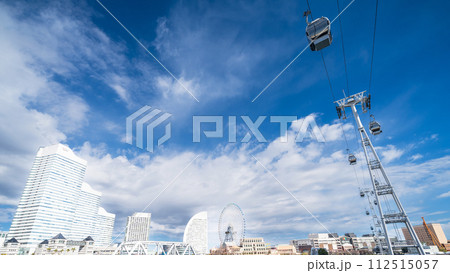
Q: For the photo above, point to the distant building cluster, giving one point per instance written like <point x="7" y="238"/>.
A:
<point x="332" y="243"/>
<point x="335" y="244"/>
<point x="329" y="243"/>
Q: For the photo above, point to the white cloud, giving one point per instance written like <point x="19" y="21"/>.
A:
<point x="232" y="176"/>
<point x="35" y="108"/>
<point x="390" y="153"/>
<point x="121" y="92"/>
<point x="173" y="90"/>
<point x="227" y="63"/>
<point x="333" y="132"/>
<point x="316" y="173"/>
<point x="445" y="194"/>
<point x="416" y="157"/>
<point x="438" y="212"/>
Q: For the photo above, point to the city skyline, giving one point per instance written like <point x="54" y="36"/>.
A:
<point x="74" y="75"/>
<point x="56" y="200"/>
<point x="87" y="219"/>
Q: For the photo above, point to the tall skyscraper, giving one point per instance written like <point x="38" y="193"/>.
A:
<point x="138" y="227"/>
<point x="56" y="200"/>
<point x="196" y="233"/>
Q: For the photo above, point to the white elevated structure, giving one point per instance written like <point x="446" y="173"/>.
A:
<point x="196" y="233"/>
<point x="391" y="212"/>
<point x="154" y="248"/>
<point x="138" y="227"/>
<point x="56" y="200"/>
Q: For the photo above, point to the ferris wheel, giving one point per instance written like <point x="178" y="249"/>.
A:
<point x="231" y="225"/>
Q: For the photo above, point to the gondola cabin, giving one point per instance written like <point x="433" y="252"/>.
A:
<point x="319" y="33"/>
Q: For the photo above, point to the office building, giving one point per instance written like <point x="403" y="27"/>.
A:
<point x="103" y="228"/>
<point x="327" y="241"/>
<point x="424" y="236"/>
<point x="254" y="246"/>
<point x="56" y="200"/>
<point x="284" y="250"/>
<point x="302" y="245"/>
<point x="138" y="227"/>
<point x="85" y="215"/>
<point x="346" y="243"/>
<point x="363" y="243"/>
<point x="196" y="233"/>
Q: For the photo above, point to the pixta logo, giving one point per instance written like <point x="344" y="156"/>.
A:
<point x="307" y="128"/>
<point x="144" y="122"/>
<point x="148" y="118"/>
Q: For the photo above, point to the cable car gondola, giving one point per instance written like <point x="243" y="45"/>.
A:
<point x="351" y="158"/>
<point x="318" y="32"/>
<point x="374" y="127"/>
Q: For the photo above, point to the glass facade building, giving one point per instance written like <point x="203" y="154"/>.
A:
<point x="56" y="200"/>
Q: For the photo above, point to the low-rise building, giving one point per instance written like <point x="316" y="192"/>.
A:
<point x="59" y="245"/>
<point x="226" y="249"/>
<point x="286" y="250"/>
<point x="302" y="246"/>
<point x="363" y="243"/>
<point x="346" y="242"/>
<point x="254" y="246"/>
<point x="431" y="250"/>
<point x="10" y="247"/>
<point x="330" y="242"/>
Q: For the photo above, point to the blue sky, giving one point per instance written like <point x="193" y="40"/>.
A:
<point x="70" y="73"/>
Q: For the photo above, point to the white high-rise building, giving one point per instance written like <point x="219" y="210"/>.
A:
<point x="56" y="200"/>
<point x="196" y="233"/>
<point x="85" y="213"/>
<point x="103" y="228"/>
<point x="138" y="227"/>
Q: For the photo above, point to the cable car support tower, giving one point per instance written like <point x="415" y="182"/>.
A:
<point x="382" y="186"/>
